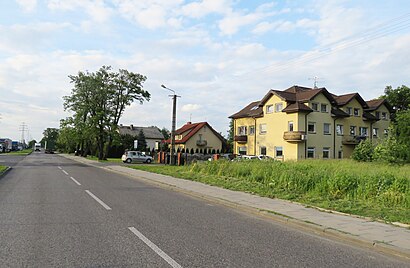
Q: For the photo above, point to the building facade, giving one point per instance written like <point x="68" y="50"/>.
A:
<point x="299" y="123"/>
<point x="197" y="136"/>
<point x="153" y="135"/>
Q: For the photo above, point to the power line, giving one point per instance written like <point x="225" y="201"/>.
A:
<point x="391" y="26"/>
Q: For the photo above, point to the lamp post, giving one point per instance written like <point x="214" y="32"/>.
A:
<point x="174" y="116"/>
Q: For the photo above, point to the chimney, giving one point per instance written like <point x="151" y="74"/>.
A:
<point x="132" y="127"/>
<point x="188" y="123"/>
<point x="120" y="125"/>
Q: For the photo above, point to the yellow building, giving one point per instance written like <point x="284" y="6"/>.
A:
<point x="300" y="122"/>
<point x="198" y="136"/>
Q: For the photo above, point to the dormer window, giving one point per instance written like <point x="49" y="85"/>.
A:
<point x="278" y="107"/>
<point x="269" y="109"/>
<point x="349" y="110"/>
<point x="323" y="108"/>
<point x="315" y="106"/>
<point x="356" y="112"/>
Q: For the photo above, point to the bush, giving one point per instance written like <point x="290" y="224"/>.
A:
<point x="364" y="151"/>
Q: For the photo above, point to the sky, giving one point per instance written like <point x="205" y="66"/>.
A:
<point x="218" y="55"/>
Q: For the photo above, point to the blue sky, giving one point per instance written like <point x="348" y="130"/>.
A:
<point x="219" y="55"/>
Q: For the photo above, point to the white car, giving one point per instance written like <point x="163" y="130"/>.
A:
<point x="136" y="157"/>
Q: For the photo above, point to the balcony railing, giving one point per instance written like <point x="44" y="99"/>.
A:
<point x="201" y="143"/>
<point x="352" y="140"/>
<point x="241" y="138"/>
<point x="294" y="136"/>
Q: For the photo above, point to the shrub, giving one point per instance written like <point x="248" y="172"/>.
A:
<point x="364" y="151"/>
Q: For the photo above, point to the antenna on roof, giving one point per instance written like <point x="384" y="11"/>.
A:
<point x="315" y="79"/>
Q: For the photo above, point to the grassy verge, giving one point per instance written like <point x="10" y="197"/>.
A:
<point x="114" y="160"/>
<point x="22" y="152"/>
<point x="2" y="169"/>
<point x="366" y="189"/>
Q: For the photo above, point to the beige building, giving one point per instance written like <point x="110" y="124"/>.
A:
<point x="300" y="122"/>
<point x="197" y="136"/>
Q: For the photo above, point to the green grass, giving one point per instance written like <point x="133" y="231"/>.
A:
<point x="2" y="169"/>
<point x="373" y="190"/>
<point x="22" y="152"/>
<point x="114" y="160"/>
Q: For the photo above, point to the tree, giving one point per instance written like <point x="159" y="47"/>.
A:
<point x="31" y="143"/>
<point x="398" y="98"/>
<point x="230" y="138"/>
<point x="142" y="143"/>
<point x="166" y="133"/>
<point x="50" y="136"/>
<point x="98" y="101"/>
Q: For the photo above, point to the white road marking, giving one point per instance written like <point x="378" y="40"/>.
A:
<point x="65" y="172"/>
<point x="155" y="248"/>
<point x="98" y="200"/>
<point x="59" y="168"/>
<point x="74" y="180"/>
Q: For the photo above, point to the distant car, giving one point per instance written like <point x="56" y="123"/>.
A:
<point x="264" y="157"/>
<point x="135" y="157"/>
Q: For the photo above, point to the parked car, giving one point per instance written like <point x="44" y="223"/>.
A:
<point x="135" y="157"/>
<point x="264" y="157"/>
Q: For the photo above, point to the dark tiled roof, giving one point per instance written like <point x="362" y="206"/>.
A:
<point x="252" y="110"/>
<point x="369" y="117"/>
<point x="375" y="104"/>
<point x="346" y="98"/>
<point x="297" y="107"/>
<point x="193" y="128"/>
<point x="336" y="112"/>
<point x="149" y="132"/>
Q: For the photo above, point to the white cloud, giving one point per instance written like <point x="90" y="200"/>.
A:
<point x="96" y="9"/>
<point x="27" y="5"/>
<point x="190" y="107"/>
<point x="205" y="7"/>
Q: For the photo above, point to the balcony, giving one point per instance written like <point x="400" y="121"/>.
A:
<point x="241" y="139"/>
<point x="352" y="140"/>
<point x="201" y="143"/>
<point x="294" y="136"/>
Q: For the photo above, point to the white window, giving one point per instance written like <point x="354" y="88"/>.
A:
<point x="311" y="152"/>
<point x="278" y="107"/>
<point x="315" y="106"/>
<point x="356" y="112"/>
<point x="349" y="110"/>
<point x="312" y="127"/>
<point x="242" y="150"/>
<point x="263" y="150"/>
<point x="323" y="108"/>
<point x="279" y="151"/>
<point x="386" y="132"/>
<point x="242" y="130"/>
<point x="352" y="130"/>
<point x="251" y="130"/>
<point x="339" y="129"/>
<point x="363" y="131"/>
<point x="326" y="152"/>
<point x="262" y="128"/>
<point x="269" y="109"/>
<point x="375" y="132"/>
<point x="290" y="124"/>
<point x="326" y="128"/>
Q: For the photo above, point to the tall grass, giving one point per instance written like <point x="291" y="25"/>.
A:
<point x="369" y="189"/>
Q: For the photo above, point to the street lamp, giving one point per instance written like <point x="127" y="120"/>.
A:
<point x="174" y="116"/>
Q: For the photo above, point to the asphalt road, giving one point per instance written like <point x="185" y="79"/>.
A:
<point x="58" y="213"/>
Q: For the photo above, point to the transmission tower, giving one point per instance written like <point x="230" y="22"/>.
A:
<point x="23" y="128"/>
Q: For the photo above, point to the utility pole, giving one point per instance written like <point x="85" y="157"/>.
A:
<point x="174" y="118"/>
<point x="23" y="128"/>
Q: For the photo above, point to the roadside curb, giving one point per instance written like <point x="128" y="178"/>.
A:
<point x="2" y="174"/>
<point x="306" y="226"/>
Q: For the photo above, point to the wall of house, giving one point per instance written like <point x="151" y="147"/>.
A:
<point x="353" y="120"/>
<point x="250" y="144"/>
<point x="318" y="140"/>
<point x="213" y="142"/>
<point x="382" y="124"/>
<point x="276" y="124"/>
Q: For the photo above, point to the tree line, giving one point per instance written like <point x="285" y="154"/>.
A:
<point x="97" y="103"/>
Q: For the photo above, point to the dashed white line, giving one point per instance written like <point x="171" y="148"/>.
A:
<point x="98" y="200"/>
<point x="155" y="248"/>
<point x="60" y="168"/>
<point x="65" y="172"/>
<point x="74" y="180"/>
